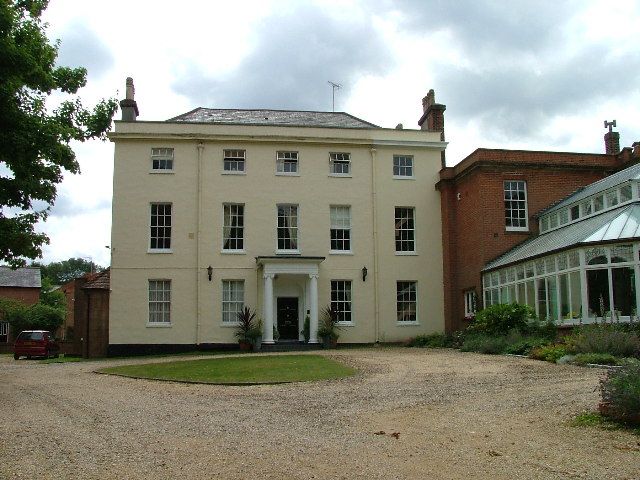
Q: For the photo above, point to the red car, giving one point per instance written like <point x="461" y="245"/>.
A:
<point x="35" y="343"/>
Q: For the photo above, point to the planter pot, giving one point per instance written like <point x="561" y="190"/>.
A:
<point x="329" y="342"/>
<point x="245" y="346"/>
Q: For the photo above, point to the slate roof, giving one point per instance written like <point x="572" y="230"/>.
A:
<point x="631" y="173"/>
<point x="27" y="277"/>
<point x="622" y="223"/>
<point x="289" y="118"/>
<point x="100" y="281"/>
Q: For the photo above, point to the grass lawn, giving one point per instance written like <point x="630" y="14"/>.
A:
<point x="64" y="359"/>
<point x="240" y="370"/>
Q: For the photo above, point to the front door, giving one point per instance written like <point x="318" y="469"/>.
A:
<point x="288" y="318"/>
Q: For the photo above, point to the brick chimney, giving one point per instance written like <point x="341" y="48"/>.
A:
<point x="432" y="119"/>
<point x="129" y="106"/>
<point x="636" y="149"/>
<point x="611" y="139"/>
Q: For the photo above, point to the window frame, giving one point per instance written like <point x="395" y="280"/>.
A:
<point x="296" y="227"/>
<point x="233" y="155"/>
<point x="156" y="249"/>
<point x="232" y="228"/>
<point x="157" y="155"/>
<point x="525" y="201"/>
<point x="164" y="301"/>
<point x="337" y="228"/>
<point x="411" y="167"/>
<point x="345" y="159"/>
<point x="227" y="312"/>
<point x="412" y="292"/>
<point x="347" y="298"/>
<point x="398" y="231"/>
<point x="470" y="303"/>
<point x="282" y="160"/>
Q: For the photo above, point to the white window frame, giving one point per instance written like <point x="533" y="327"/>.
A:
<point x="232" y="300"/>
<point x="162" y="160"/>
<point x="346" y="288"/>
<point x="159" y="317"/>
<point x="284" y="158"/>
<point x="412" y="293"/>
<point x="511" y="228"/>
<point x="404" y="171"/>
<point x="231" y="207"/>
<point x="4" y="330"/>
<point x="234" y="157"/>
<point x="288" y="214"/>
<point x="342" y="159"/>
<point x="398" y="229"/>
<point x="340" y="228"/>
<point x="470" y="303"/>
<point x="158" y="238"/>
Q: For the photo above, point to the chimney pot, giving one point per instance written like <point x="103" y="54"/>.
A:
<point x="432" y="119"/>
<point x="128" y="106"/>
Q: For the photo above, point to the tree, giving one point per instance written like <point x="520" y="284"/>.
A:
<point x="35" y="142"/>
<point x="66" y="270"/>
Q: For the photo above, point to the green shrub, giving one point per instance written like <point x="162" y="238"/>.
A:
<point x="525" y="345"/>
<point x="596" y="358"/>
<point x="434" y="340"/>
<point x="44" y="317"/>
<point x="503" y="318"/>
<point x="605" y="338"/>
<point x="549" y="353"/>
<point x="620" y="390"/>
<point x="484" y="343"/>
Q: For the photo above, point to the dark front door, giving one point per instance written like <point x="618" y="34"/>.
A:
<point x="288" y="318"/>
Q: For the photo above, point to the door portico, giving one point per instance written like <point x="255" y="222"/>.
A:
<point x="296" y="269"/>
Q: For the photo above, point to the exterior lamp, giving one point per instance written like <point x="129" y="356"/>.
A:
<point x="210" y="272"/>
<point x="364" y="273"/>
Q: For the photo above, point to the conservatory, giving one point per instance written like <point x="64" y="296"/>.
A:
<point x="584" y="266"/>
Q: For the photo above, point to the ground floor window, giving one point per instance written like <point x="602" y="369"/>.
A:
<point x="341" y="299"/>
<point x="4" y="332"/>
<point x="470" y="303"/>
<point x="406" y="302"/>
<point x="232" y="300"/>
<point x="160" y="301"/>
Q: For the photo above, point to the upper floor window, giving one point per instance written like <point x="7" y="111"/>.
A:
<point x="340" y="163"/>
<point x="340" y="228"/>
<point x="287" y="227"/>
<point x="232" y="300"/>
<point x="515" y="205"/>
<point x="160" y="226"/>
<point x="341" y="299"/>
<point x="233" y="227"/>
<point x="403" y="166"/>
<point x="160" y="302"/>
<point x="162" y="159"/>
<point x="234" y="161"/>
<point x="287" y="163"/>
<point x="405" y="229"/>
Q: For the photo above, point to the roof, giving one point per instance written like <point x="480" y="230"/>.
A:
<point x="99" y="281"/>
<point x="631" y="173"/>
<point x="622" y="223"/>
<point x="27" y="277"/>
<point x="273" y="117"/>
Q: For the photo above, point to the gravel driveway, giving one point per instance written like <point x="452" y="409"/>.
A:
<point x="456" y="415"/>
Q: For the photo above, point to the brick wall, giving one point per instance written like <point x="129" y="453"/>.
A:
<point x="472" y="196"/>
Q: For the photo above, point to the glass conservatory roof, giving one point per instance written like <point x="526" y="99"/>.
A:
<point x="619" y="224"/>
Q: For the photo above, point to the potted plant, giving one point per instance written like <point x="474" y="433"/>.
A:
<point x="306" y="329"/>
<point x="257" y="334"/>
<point x="245" y="330"/>
<point x="327" y="330"/>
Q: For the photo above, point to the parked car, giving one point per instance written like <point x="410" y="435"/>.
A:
<point x="35" y="343"/>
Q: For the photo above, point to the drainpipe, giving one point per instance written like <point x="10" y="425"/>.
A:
<point x="374" y="199"/>
<point x="198" y="229"/>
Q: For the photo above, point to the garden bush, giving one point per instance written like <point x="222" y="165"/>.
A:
<point x="549" y="353"/>
<point x="434" y="340"/>
<point x="484" y="343"/>
<point x="611" y="339"/>
<point x="620" y="391"/>
<point x="596" y="358"/>
<point x="34" y="317"/>
<point x="502" y="318"/>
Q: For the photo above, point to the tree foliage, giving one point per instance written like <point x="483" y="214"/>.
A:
<point x="62" y="272"/>
<point x="35" y="142"/>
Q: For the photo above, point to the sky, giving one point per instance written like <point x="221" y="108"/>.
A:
<point x="538" y="75"/>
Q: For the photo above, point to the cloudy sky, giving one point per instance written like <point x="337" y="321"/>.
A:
<point x="520" y="74"/>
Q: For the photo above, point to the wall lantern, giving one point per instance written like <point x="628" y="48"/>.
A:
<point x="364" y="273"/>
<point x="210" y="272"/>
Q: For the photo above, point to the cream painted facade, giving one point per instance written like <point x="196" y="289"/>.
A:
<point x="197" y="188"/>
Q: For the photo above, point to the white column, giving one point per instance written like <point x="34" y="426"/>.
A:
<point x="313" y="324"/>
<point x="267" y="335"/>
